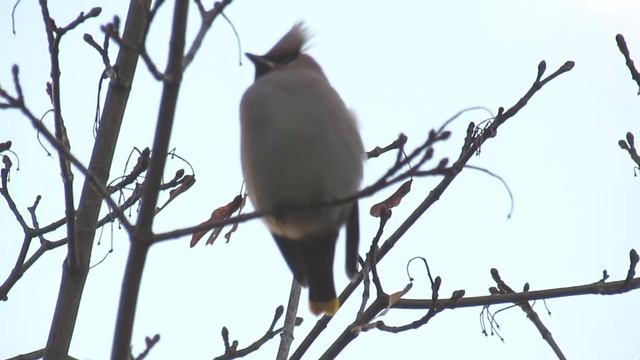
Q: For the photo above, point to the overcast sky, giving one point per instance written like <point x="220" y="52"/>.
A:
<point x="402" y="66"/>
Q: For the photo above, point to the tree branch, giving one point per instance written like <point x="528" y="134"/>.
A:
<point x="290" y="320"/>
<point x="471" y="145"/>
<point x="139" y="48"/>
<point x="93" y="190"/>
<point x="98" y="185"/>
<point x="531" y="314"/>
<point x="54" y="35"/>
<point x="35" y="355"/>
<point x="231" y="350"/>
<point x="597" y="288"/>
<point x="622" y="46"/>
<point x="422" y="153"/>
<point x="207" y="18"/>
<point x="630" y="147"/>
<point x="141" y="238"/>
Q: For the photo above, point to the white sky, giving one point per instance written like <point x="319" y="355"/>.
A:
<point x="402" y="66"/>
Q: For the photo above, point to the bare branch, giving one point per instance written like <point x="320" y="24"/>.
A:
<point x="232" y="352"/>
<point x="397" y="144"/>
<point x="141" y="239"/>
<point x="4" y="191"/>
<point x="392" y="176"/>
<point x="82" y="17"/>
<point x="597" y="288"/>
<point x="102" y="51"/>
<point x="385" y="214"/>
<point x="290" y="320"/>
<point x="54" y="36"/>
<point x="114" y="33"/>
<point x="93" y="190"/>
<point x="630" y="147"/>
<point x="435" y="287"/>
<point x="17" y="103"/>
<point x="208" y="16"/>
<point x="531" y="315"/>
<point x="149" y="344"/>
<point x="633" y="262"/>
<point x="13" y="16"/>
<point x="471" y="144"/>
<point x="504" y="183"/>
<point x="622" y="46"/>
<point x="35" y="355"/>
<point x="21" y="266"/>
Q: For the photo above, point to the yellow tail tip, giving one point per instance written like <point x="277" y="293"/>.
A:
<point x="329" y="307"/>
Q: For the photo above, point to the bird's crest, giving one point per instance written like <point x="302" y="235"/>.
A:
<point x="290" y="45"/>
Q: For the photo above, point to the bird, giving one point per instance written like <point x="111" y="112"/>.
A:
<point x="300" y="147"/>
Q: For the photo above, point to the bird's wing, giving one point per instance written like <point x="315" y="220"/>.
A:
<point x="291" y="252"/>
<point x="352" y="241"/>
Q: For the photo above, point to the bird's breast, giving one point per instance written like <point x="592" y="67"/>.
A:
<point x="299" y="146"/>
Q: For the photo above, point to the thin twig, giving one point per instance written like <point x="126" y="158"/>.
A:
<point x="149" y="342"/>
<point x="397" y="144"/>
<point x="207" y="18"/>
<point x="231" y="350"/>
<point x="471" y="146"/>
<point x="141" y="239"/>
<point x="622" y="46"/>
<point x="13" y="17"/>
<point x="54" y="36"/>
<point x="35" y="355"/>
<point x="392" y="176"/>
<point x="114" y="33"/>
<point x="504" y="183"/>
<point x="597" y="288"/>
<point x="630" y="147"/>
<point x="4" y="191"/>
<point x="286" y="336"/>
<point x="82" y="17"/>
<point x="531" y="315"/>
<point x="17" y="103"/>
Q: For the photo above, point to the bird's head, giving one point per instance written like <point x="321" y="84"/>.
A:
<point x="287" y="51"/>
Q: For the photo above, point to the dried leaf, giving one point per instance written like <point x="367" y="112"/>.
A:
<point x="214" y="235"/>
<point x="143" y="162"/>
<point x="221" y="213"/>
<point x="234" y="227"/>
<point x="139" y="168"/>
<point x="393" y="200"/>
<point x="185" y="184"/>
<point x="393" y="298"/>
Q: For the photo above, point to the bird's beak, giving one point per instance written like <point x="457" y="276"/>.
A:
<point x="262" y="65"/>
<point x="257" y="59"/>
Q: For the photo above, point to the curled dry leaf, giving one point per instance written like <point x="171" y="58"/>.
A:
<point x="234" y="227"/>
<point x="393" y="200"/>
<point x="393" y="298"/>
<point x="141" y="166"/>
<point x="143" y="161"/>
<point x="185" y="184"/>
<point x="220" y="213"/>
